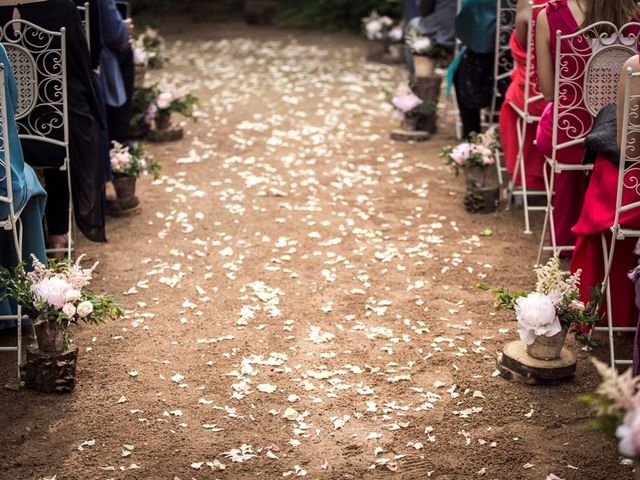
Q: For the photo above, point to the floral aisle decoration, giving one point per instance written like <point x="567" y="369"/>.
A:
<point x="154" y="105"/>
<point x="376" y="26"/>
<point x="616" y="409"/>
<point x="148" y="49"/>
<point x="552" y="310"/>
<point x="409" y="108"/>
<point x="128" y="162"/>
<point x="425" y="53"/>
<point x="55" y="296"/>
<point x="473" y="157"/>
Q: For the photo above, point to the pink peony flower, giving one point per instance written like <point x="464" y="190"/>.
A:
<point x="374" y="30"/>
<point x="461" y="153"/>
<point x="164" y="100"/>
<point x="51" y="290"/>
<point x="406" y="103"/>
<point x="395" y="34"/>
<point x="152" y="33"/>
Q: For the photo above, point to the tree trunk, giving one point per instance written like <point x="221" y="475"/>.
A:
<point x="50" y="372"/>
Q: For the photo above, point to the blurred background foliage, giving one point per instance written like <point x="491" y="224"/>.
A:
<point x="323" y="14"/>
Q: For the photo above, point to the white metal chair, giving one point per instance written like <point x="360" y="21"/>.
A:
<point x="506" y="11"/>
<point x="628" y="181"/>
<point x="39" y="60"/>
<point x="600" y="50"/>
<point x="9" y="217"/>
<point x="532" y="94"/>
<point x="85" y="14"/>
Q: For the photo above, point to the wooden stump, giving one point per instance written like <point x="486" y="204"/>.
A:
<point x="169" y="135"/>
<point x="401" y="135"/>
<point x="428" y="89"/>
<point x="482" y="200"/>
<point x="127" y="207"/>
<point x="515" y="364"/>
<point x="50" y="372"/>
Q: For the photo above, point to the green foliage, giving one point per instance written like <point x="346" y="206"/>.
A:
<point x="333" y="14"/>
<point x="506" y="299"/>
<point x="605" y="420"/>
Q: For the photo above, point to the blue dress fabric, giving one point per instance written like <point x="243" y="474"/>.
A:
<point x="29" y="198"/>
<point x="115" y="38"/>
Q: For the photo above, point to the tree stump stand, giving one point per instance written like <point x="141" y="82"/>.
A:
<point x="401" y="135"/>
<point x="515" y="364"/>
<point x="482" y="200"/>
<point x="50" y="372"/>
<point x="169" y="135"/>
<point x="428" y="89"/>
<point x="127" y="207"/>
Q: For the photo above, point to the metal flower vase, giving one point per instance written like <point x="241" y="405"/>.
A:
<point x="475" y="176"/>
<point x="50" y="336"/>
<point x="547" y="348"/>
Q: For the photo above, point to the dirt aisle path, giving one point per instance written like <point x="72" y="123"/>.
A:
<point x="301" y="295"/>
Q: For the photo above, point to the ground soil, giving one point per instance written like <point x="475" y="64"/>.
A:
<point x="291" y="246"/>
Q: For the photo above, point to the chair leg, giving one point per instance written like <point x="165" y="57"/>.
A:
<point x="608" y="254"/>
<point x="547" y="213"/>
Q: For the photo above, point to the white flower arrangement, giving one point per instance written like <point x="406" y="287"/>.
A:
<point x="377" y="27"/>
<point x="616" y="405"/>
<point x="553" y="306"/>
<point x="57" y="293"/>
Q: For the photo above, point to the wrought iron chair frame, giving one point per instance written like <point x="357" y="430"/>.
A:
<point x="614" y="40"/>
<point x="85" y="15"/>
<point x="532" y="94"/>
<point x="628" y="164"/>
<point x="45" y="87"/>
<point x="12" y="222"/>
<point x="506" y="11"/>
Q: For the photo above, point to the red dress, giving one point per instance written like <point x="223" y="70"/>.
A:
<point x="509" y="119"/>
<point x="596" y="217"/>
<point x="574" y="121"/>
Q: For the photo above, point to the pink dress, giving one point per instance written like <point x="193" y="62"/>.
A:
<point x="574" y="120"/>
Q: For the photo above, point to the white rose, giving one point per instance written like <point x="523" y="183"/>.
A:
<point x="52" y="291"/>
<point x="536" y="316"/>
<point x="69" y="310"/>
<point x="164" y="100"/>
<point x="85" y="308"/>
<point x="421" y="45"/>
<point x="629" y="435"/>
<point x="72" y="296"/>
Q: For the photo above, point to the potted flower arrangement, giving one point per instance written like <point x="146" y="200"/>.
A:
<point x="128" y="162"/>
<point x="546" y="315"/>
<point x="616" y="406"/>
<point x="424" y="52"/>
<point x="409" y="108"/>
<point x="140" y="62"/>
<point x="54" y="297"/>
<point x="376" y="29"/>
<point x="154" y="105"/>
<point x="152" y="44"/>
<point x="473" y="157"/>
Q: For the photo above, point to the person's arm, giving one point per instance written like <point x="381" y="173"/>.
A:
<point x="544" y="58"/>
<point x="114" y="30"/>
<point x="426" y="7"/>
<point x="523" y="15"/>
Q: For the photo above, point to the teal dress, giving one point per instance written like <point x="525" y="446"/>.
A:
<point x="29" y="198"/>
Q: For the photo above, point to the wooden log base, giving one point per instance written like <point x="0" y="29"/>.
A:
<point x="515" y="364"/>
<point x="169" y="135"/>
<point x="482" y="200"/>
<point x="50" y="372"/>
<point x="128" y="207"/>
<point x="400" y="135"/>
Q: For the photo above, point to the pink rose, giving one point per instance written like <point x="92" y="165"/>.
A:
<point x="406" y="103"/>
<point x="164" y="100"/>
